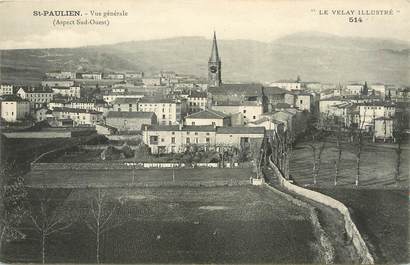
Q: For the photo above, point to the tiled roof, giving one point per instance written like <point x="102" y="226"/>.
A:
<point x="191" y="128"/>
<point x="198" y="128"/>
<point x="281" y="105"/>
<point x="383" y="119"/>
<point x="240" y="130"/>
<point x="161" y="127"/>
<point x="12" y="98"/>
<point x="263" y="119"/>
<point x="274" y="90"/>
<point x="244" y="89"/>
<point x="156" y="100"/>
<point x="36" y="90"/>
<point x="377" y="103"/>
<point x="237" y="103"/>
<point x="58" y="109"/>
<point x="125" y="101"/>
<point x="207" y="114"/>
<point x="197" y="94"/>
<point x="285" y="81"/>
<point x="130" y="114"/>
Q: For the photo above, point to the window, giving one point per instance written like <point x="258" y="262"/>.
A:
<point x="208" y="140"/>
<point x="244" y="111"/>
<point x="213" y="123"/>
<point x="188" y="140"/>
<point x="196" y="133"/>
<point x="173" y="133"/>
<point x="187" y="132"/>
<point x="153" y="139"/>
<point x="196" y="140"/>
<point x="163" y="116"/>
<point x="193" y="123"/>
<point x="130" y="105"/>
<point x="207" y="133"/>
<point x="162" y="139"/>
<point x="301" y="101"/>
<point x="173" y="140"/>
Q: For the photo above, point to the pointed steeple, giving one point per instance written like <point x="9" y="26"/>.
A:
<point x="214" y="53"/>
<point x="214" y="66"/>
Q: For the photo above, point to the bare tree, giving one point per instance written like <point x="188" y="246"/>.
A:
<point x="398" y="138"/>
<point x="48" y="217"/>
<point x="359" y="146"/>
<point x="12" y="210"/>
<point x="317" y="151"/>
<point x="101" y="218"/>
<point x="339" y="152"/>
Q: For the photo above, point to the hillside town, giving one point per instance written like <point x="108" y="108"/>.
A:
<point x="126" y="103"/>
<point x="122" y="149"/>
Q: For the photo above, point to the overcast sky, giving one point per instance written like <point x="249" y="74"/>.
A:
<point x="262" y="20"/>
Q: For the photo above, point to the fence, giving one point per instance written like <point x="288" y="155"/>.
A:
<point x="351" y="229"/>
<point x="104" y="146"/>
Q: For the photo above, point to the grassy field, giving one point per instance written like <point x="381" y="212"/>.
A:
<point x="183" y="225"/>
<point x="377" y="166"/>
<point x="73" y="178"/>
<point x="382" y="217"/>
<point x="23" y="151"/>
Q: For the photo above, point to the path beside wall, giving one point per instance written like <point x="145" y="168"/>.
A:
<point x="351" y="229"/>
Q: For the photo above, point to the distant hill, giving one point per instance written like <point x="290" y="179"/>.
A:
<point x="313" y="56"/>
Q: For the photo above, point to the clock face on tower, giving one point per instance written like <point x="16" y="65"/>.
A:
<point x="213" y="69"/>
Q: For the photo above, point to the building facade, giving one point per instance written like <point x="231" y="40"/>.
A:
<point x="6" y="89"/>
<point x="79" y="116"/>
<point x="38" y="97"/>
<point x="196" y="101"/>
<point x="168" y="111"/>
<point x="208" y="117"/>
<point x="177" y="138"/>
<point x="14" y="109"/>
<point x="129" y="121"/>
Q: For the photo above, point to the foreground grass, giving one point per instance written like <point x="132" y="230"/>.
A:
<point x="382" y="217"/>
<point x="184" y="225"/>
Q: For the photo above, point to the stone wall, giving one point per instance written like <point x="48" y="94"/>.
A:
<point x="38" y="135"/>
<point x="326" y="251"/>
<point x="350" y="227"/>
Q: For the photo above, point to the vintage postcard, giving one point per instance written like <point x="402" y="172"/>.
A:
<point x="204" y="131"/>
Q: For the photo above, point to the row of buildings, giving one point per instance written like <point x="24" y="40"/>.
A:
<point x="131" y="101"/>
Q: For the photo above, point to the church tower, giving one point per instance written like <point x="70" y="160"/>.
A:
<point x="214" y="66"/>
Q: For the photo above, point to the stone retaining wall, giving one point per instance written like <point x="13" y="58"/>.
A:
<point x="350" y="227"/>
<point x="38" y="135"/>
<point x="327" y="252"/>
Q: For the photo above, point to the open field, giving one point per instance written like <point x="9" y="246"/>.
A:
<point x="142" y="177"/>
<point x="376" y="170"/>
<point x="23" y="151"/>
<point x="382" y="217"/>
<point x="183" y="225"/>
